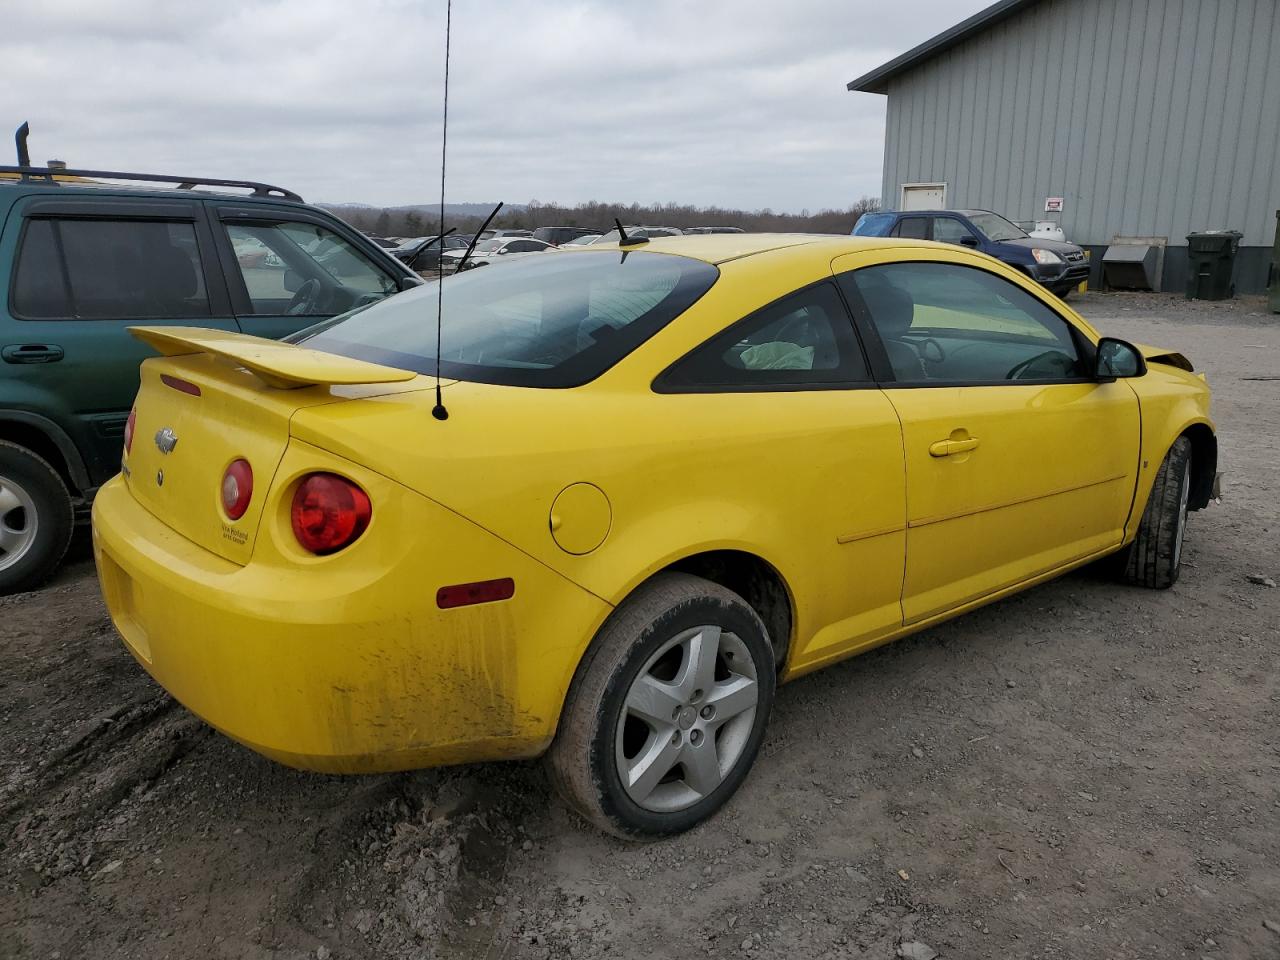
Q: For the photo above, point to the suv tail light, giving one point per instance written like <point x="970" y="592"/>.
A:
<point x="128" y="429"/>
<point x="237" y="488"/>
<point x="329" y="512"/>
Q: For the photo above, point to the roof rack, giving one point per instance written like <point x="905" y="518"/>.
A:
<point x="49" y="174"/>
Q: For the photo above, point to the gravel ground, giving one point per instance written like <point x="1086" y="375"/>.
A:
<point x="1084" y="770"/>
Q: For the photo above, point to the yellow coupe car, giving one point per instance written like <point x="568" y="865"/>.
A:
<point x="672" y="473"/>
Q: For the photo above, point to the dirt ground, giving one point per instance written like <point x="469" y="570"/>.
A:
<point x="1085" y="770"/>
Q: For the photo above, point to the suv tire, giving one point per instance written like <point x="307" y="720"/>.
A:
<point x="36" y="519"/>
<point x="681" y="676"/>
<point x="1155" y="556"/>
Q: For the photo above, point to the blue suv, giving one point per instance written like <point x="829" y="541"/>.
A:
<point x="1059" y="266"/>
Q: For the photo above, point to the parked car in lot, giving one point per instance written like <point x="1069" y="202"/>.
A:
<point x="423" y="253"/>
<point x="1058" y="265"/>
<point x="558" y="236"/>
<point x="639" y="231"/>
<point x="495" y="249"/>
<point x="81" y="262"/>
<point x="582" y="241"/>
<point x="697" y="230"/>
<point x="490" y="234"/>
<point x="594" y="555"/>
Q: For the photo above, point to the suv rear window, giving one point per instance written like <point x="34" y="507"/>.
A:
<point x="550" y="321"/>
<point x="109" y="269"/>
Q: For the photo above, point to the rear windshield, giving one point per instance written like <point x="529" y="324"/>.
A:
<point x="535" y="322"/>
<point x="873" y="225"/>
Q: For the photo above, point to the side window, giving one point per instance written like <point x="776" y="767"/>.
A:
<point x="109" y="270"/>
<point x="947" y="323"/>
<point x="523" y="246"/>
<point x="950" y="230"/>
<point x="301" y="269"/>
<point x="806" y="338"/>
<point x="912" y="228"/>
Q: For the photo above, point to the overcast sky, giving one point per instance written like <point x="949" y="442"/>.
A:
<point x="740" y="104"/>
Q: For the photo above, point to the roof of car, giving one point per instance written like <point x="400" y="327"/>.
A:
<point x="78" y="186"/>
<point x="722" y="247"/>
<point x="927" y="213"/>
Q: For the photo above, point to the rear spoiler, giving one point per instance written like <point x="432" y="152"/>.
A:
<point x="280" y="365"/>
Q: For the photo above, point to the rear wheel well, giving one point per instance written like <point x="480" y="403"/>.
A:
<point x="757" y="582"/>
<point x="1204" y="464"/>
<point x="41" y="444"/>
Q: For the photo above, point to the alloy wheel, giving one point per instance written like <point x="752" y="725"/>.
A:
<point x="18" y="522"/>
<point x="686" y="719"/>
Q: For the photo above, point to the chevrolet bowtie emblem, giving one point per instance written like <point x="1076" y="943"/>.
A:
<point x="166" y="440"/>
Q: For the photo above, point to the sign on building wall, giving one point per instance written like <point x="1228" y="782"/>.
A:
<point x="1052" y="204"/>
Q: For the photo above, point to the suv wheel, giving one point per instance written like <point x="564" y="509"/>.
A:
<point x="668" y="709"/>
<point x="36" y="519"/>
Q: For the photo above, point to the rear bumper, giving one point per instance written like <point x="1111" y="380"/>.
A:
<point x="349" y="667"/>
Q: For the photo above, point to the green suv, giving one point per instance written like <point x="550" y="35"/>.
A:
<point x="81" y="260"/>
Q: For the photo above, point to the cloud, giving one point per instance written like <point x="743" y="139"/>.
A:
<point x="734" y="103"/>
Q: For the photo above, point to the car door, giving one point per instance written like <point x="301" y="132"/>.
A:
<point x="86" y="269"/>
<point x="824" y="443"/>
<point x="1017" y="461"/>
<point x="288" y="269"/>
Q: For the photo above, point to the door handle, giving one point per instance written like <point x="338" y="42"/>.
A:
<point x="949" y="448"/>
<point x="31" y="353"/>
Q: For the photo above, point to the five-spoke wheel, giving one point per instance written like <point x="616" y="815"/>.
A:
<point x="668" y="709"/>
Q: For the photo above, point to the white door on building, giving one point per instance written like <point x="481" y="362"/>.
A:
<point x="924" y="196"/>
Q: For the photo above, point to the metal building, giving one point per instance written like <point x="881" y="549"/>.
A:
<point x="1139" y="118"/>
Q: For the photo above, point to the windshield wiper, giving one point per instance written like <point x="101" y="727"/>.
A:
<point x="476" y="239"/>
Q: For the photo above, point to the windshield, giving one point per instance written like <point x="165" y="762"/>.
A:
<point x="488" y="246"/>
<point x="873" y="225"/>
<point x="537" y="322"/>
<point x="996" y="227"/>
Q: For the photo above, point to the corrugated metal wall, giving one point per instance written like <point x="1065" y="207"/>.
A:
<point x="1150" y="117"/>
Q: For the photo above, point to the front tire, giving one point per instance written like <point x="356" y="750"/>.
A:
<point x="1155" y="556"/>
<point x="36" y="519"/>
<point x="667" y="712"/>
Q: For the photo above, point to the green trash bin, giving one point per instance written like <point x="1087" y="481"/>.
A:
<point x="1211" y="264"/>
<point x="1273" y="278"/>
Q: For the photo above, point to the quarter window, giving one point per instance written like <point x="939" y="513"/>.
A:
<point x="945" y="323"/>
<point x="806" y="338"/>
<point x="109" y="270"/>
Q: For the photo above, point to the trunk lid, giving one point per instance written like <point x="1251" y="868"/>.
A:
<point x="226" y="398"/>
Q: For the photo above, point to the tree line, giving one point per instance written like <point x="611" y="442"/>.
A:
<point x="419" y="221"/>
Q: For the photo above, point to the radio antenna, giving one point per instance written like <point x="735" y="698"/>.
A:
<point x="439" y="411"/>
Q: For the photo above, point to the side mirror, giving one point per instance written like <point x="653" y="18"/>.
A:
<point x="1117" y="358"/>
<point x="411" y="281"/>
<point x="292" y="281"/>
<point x="968" y="241"/>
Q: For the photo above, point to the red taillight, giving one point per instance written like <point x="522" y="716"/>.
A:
<point x="329" y="513"/>
<point x="237" y="488"/>
<point x="128" y="429"/>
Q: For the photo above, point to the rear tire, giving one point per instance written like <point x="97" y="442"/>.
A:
<point x="1155" y="556"/>
<point x="36" y="519"/>
<point x="668" y="709"/>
